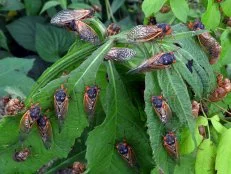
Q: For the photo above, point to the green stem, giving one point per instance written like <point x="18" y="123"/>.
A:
<point x="207" y="119"/>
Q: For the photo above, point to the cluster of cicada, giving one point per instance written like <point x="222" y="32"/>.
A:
<point x="76" y="168"/>
<point x="209" y="43"/>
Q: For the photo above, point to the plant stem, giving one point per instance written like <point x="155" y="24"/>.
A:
<point x="207" y="119"/>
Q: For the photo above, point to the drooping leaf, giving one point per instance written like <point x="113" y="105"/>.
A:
<point x="79" y="5"/>
<point x="32" y="7"/>
<point x="223" y="159"/>
<point x="3" y="41"/>
<point x="116" y="4"/>
<point x="180" y="9"/>
<point x="149" y="6"/>
<point x="9" y="5"/>
<point x="205" y="160"/>
<point x="215" y="120"/>
<point x="13" y="73"/>
<point x="121" y="119"/>
<point x="225" y="5"/>
<point x="52" y="42"/>
<point x="48" y="5"/>
<point x="23" y="31"/>
<point x="186" y="165"/>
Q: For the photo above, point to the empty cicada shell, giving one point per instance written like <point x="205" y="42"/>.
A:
<point x="113" y="29"/>
<point x="45" y="130"/>
<point x="126" y="152"/>
<point x="161" y="108"/>
<point x="22" y="155"/>
<point x="159" y="61"/>
<point x="171" y="145"/>
<point x="120" y="54"/>
<point x="78" y="168"/>
<point x="90" y="99"/>
<point x="61" y="104"/>
<point x="165" y="9"/>
<point x="207" y="41"/>
<point x="195" y="108"/>
<point x="13" y="106"/>
<point x="65" y="17"/>
<point x="29" y="118"/>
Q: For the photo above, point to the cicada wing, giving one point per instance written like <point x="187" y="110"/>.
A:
<point x="46" y="134"/>
<point x="25" y="126"/>
<point x="167" y="110"/>
<point x="89" y="106"/>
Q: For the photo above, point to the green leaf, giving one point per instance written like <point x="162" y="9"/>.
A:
<point x="149" y="6"/>
<point x="223" y="159"/>
<point x="211" y="18"/>
<point x="226" y="45"/>
<point x="3" y="41"/>
<point x="187" y="164"/>
<point x="215" y="120"/>
<point x="226" y="5"/>
<point x="121" y="118"/>
<point x="180" y="9"/>
<point x="205" y="159"/>
<point x="63" y="3"/>
<point x="48" y="5"/>
<point x="32" y="7"/>
<point x="10" y="5"/>
<point x="13" y="73"/>
<point x="52" y="42"/>
<point x="78" y="5"/>
<point x="75" y="121"/>
<point x="116" y="4"/>
<point x="23" y="31"/>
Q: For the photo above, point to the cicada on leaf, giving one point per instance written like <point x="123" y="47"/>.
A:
<point x="45" y="130"/>
<point x="65" y="17"/>
<point x="126" y="152"/>
<point x="159" y="61"/>
<point x="113" y="29"/>
<point x="20" y="156"/>
<point x="90" y="98"/>
<point x="120" y="54"/>
<point x="161" y="108"/>
<point x="171" y="145"/>
<point x="78" y="168"/>
<point x="61" y="105"/>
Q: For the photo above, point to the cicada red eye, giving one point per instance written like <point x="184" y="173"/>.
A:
<point x="78" y="168"/>
<point x="90" y="99"/>
<point x="45" y="130"/>
<point x="142" y="33"/>
<point x="161" y="108"/>
<point x="86" y="33"/>
<point x="64" y="17"/>
<point x="113" y="29"/>
<point x="20" y="156"/>
<point x="166" y="29"/>
<point x="171" y="145"/>
<point x="159" y="61"/>
<point x="120" y="54"/>
<point x="126" y="152"/>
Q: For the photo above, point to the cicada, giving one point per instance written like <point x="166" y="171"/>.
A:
<point x="195" y="108"/>
<point x="120" y="54"/>
<point x="61" y="104"/>
<point x="171" y="145"/>
<point x="126" y="152"/>
<point x="90" y="99"/>
<point x="113" y="29"/>
<point x="161" y="108"/>
<point x="45" y="130"/>
<point x="65" y="17"/>
<point x="14" y="106"/>
<point x="78" y="168"/>
<point x="22" y="155"/>
<point x="159" y="61"/>
<point x="29" y="118"/>
<point x="165" y="9"/>
<point x="207" y="41"/>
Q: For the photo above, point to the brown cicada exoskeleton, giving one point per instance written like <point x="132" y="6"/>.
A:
<point x="65" y="17"/>
<point x="78" y="168"/>
<point x="161" y="108"/>
<point x="195" y="108"/>
<point x="126" y="152"/>
<point x="159" y="61"/>
<point x="113" y="29"/>
<point x="20" y="156"/>
<point x="90" y="98"/>
<point x="171" y="145"/>
<point x="61" y="105"/>
<point x="45" y="130"/>
<point x="165" y="9"/>
<point x="13" y="106"/>
<point x="120" y="54"/>
<point x="207" y="41"/>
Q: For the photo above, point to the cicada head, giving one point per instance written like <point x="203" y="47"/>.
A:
<point x="197" y="25"/>
<point x="166" y="29"/>
<point x="120" y="54"/>
<point x="126" y="152"/>
<point x="167" y="59"/>
<point x="113" y="29"/>
<point x="35" y="112"/>
<point x="171" y="145"/>
<point x="20" y="156"/>
<point x="45" y="130"/>
<point x="157" y="101"/>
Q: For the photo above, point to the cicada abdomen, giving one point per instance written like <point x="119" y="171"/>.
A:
<point x="90" y="98"/>
<point x="120" y="54"/>
<point x="159" y="61"/>
<point x="171" y="145"/>
<point x="20" y="156"/>
<point x="126" y="152"/>
<point x="161" y="108"/>
<point x="113" y="29"/>
<point x="45" y="130"/>
<point x="65" y="17"/>
<point x="61" y="105"/>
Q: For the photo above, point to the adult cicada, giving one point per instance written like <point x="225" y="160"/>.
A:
<point x="61" y="105"/>
<point x="45" y="130"/>
<point x="159" y="61"/>
<point x="161" y="108"/>
<point x="171" y="145"/>
<point x="120" y="54"/>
